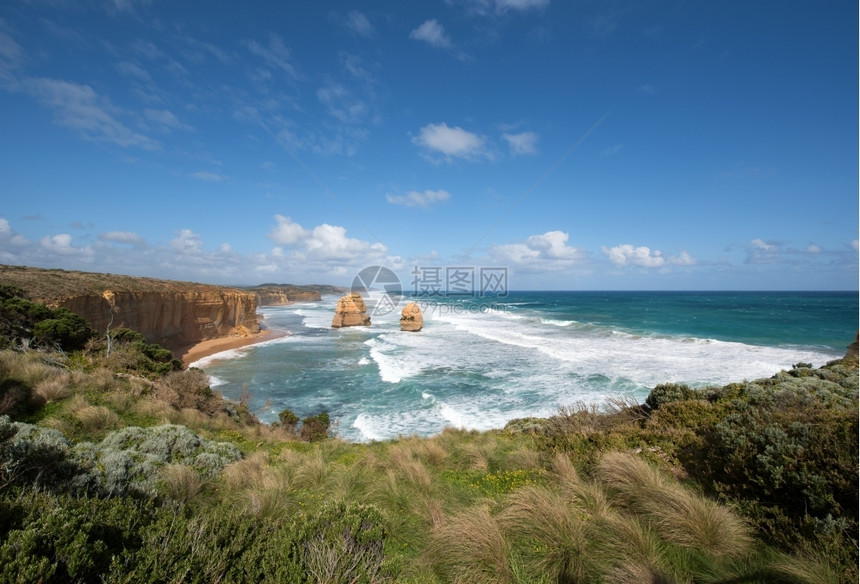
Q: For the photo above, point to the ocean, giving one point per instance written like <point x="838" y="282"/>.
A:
<point x="480" y="362"/>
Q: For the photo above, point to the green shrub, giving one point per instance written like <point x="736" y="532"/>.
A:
<point x="342" y="543"/>
<point x="671" y="392"/>
<point x="49" y="538"/>
<point x="315" y="428"/>
<point x="131" y="352"/>
<point x="288" y="420"/>
<point x="64" y="329"/>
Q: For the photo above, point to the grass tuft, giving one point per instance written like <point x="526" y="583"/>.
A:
<point x="470" y="547"/>
<point x="679" y="515"/>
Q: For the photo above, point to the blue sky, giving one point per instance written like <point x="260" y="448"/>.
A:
<point x="582" y="145"/>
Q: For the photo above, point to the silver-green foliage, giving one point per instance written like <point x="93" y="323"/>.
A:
<point x="125" y="462"/>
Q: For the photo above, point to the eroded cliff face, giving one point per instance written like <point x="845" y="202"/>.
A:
<point x="173" y="319"/>
<point x="276" y="297"/>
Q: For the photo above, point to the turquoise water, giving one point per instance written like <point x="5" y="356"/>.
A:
<point x="481" y="362"/>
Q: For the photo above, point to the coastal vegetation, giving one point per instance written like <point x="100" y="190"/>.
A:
<point x="118" y="466"/>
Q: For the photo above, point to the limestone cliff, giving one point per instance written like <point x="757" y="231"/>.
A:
<point x="280" y="295"/>
<point x="172" y="314"/>
<point x="350" y="311"/>
<point x="411" y="318"/>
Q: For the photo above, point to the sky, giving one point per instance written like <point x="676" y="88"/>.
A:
<point x="578" y="145"/>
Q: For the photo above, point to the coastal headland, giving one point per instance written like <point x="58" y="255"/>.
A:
<point x="190" y="319"/>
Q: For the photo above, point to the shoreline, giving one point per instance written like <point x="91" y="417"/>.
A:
<point x="211" y="347"/>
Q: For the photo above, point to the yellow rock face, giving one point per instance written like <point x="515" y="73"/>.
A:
<point x="350" y="311"/>
<point x="411" y="318"/>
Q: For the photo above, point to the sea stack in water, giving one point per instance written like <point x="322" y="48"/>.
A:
<point x="411" y="318"/>
<point x="350" y="311"/>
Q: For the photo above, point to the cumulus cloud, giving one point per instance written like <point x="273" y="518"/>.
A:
<point x="417" y="199"/>
<point x="539" y="252"/>
<point x="187" y="242"/>
<point x="644" y="257"/>
<point x="61" y="244"/>
<point x="324" y="243"/>
<point x="432" y="33"/>
<point x="451" y="142"/>
<point x="81" y="109"/>
<point x="522" y="143"/>
<point x="286" y="232"/>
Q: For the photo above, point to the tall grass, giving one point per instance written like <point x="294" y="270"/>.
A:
<point x="470" y="548"/>
<point x="554" y="535"/>
<point x="678" y="515"/>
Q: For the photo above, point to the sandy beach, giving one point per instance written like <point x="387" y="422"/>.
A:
<point x="213" y="346"/>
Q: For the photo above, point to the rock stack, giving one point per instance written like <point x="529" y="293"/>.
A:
<point x="411" y="318"/>
<point x="350" y="311"/>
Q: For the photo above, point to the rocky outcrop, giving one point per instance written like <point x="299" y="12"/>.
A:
<point x="411" y="318"/>
<point x="173" y="314"/>
<point x="350" y="311"/>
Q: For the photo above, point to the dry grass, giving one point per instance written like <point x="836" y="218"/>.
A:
<point x="180" y="482"/>
<point x="53" y="388"/>
<point x="433" y="453"/>
<point x="96" y="418"/>
<point x="558" y="534"/>
<point x="27" y="367"/>
<point x="470" y="548"/>
<point x="313" y="471"/>
<point x="679" y="515"/>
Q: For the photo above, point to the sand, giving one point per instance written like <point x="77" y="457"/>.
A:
<point x="213" y="346"/>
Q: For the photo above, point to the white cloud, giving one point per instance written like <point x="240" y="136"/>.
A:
<point x="61" y="244"/>
<point x="432" y="33"/>
<point x="358" y="23"/>
<point x="329" y="242"/>
<point x="324" y="243"/>
<point x="539" y="252"/>
<point x="854" y="244"/>
<point x="813" y="248"/>
<point x="287" y="232"/>
<point x="79" y="108"/>
<point x="341" y="104"/>
<point x="644" y="257"/>
<point x="417" y="199"/>
<point x="165" y="118"/>
<point x="452" y="142"/>
<point x="503" y="5"/>
<point x="275" y="54"/>
<point x="121" y="237"/>
<point x="612" y="150"/>
<point x="208" y="176"/>
<point x="488" y="7"/>
<point x="685" y="259"/>
<point x="130" y="69"/>
<point x="763" y="245"/>
<point x="522" y="143"/>
<point x="187" y="242"/>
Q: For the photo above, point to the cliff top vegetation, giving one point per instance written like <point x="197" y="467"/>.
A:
<point x="47" y="285"/>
